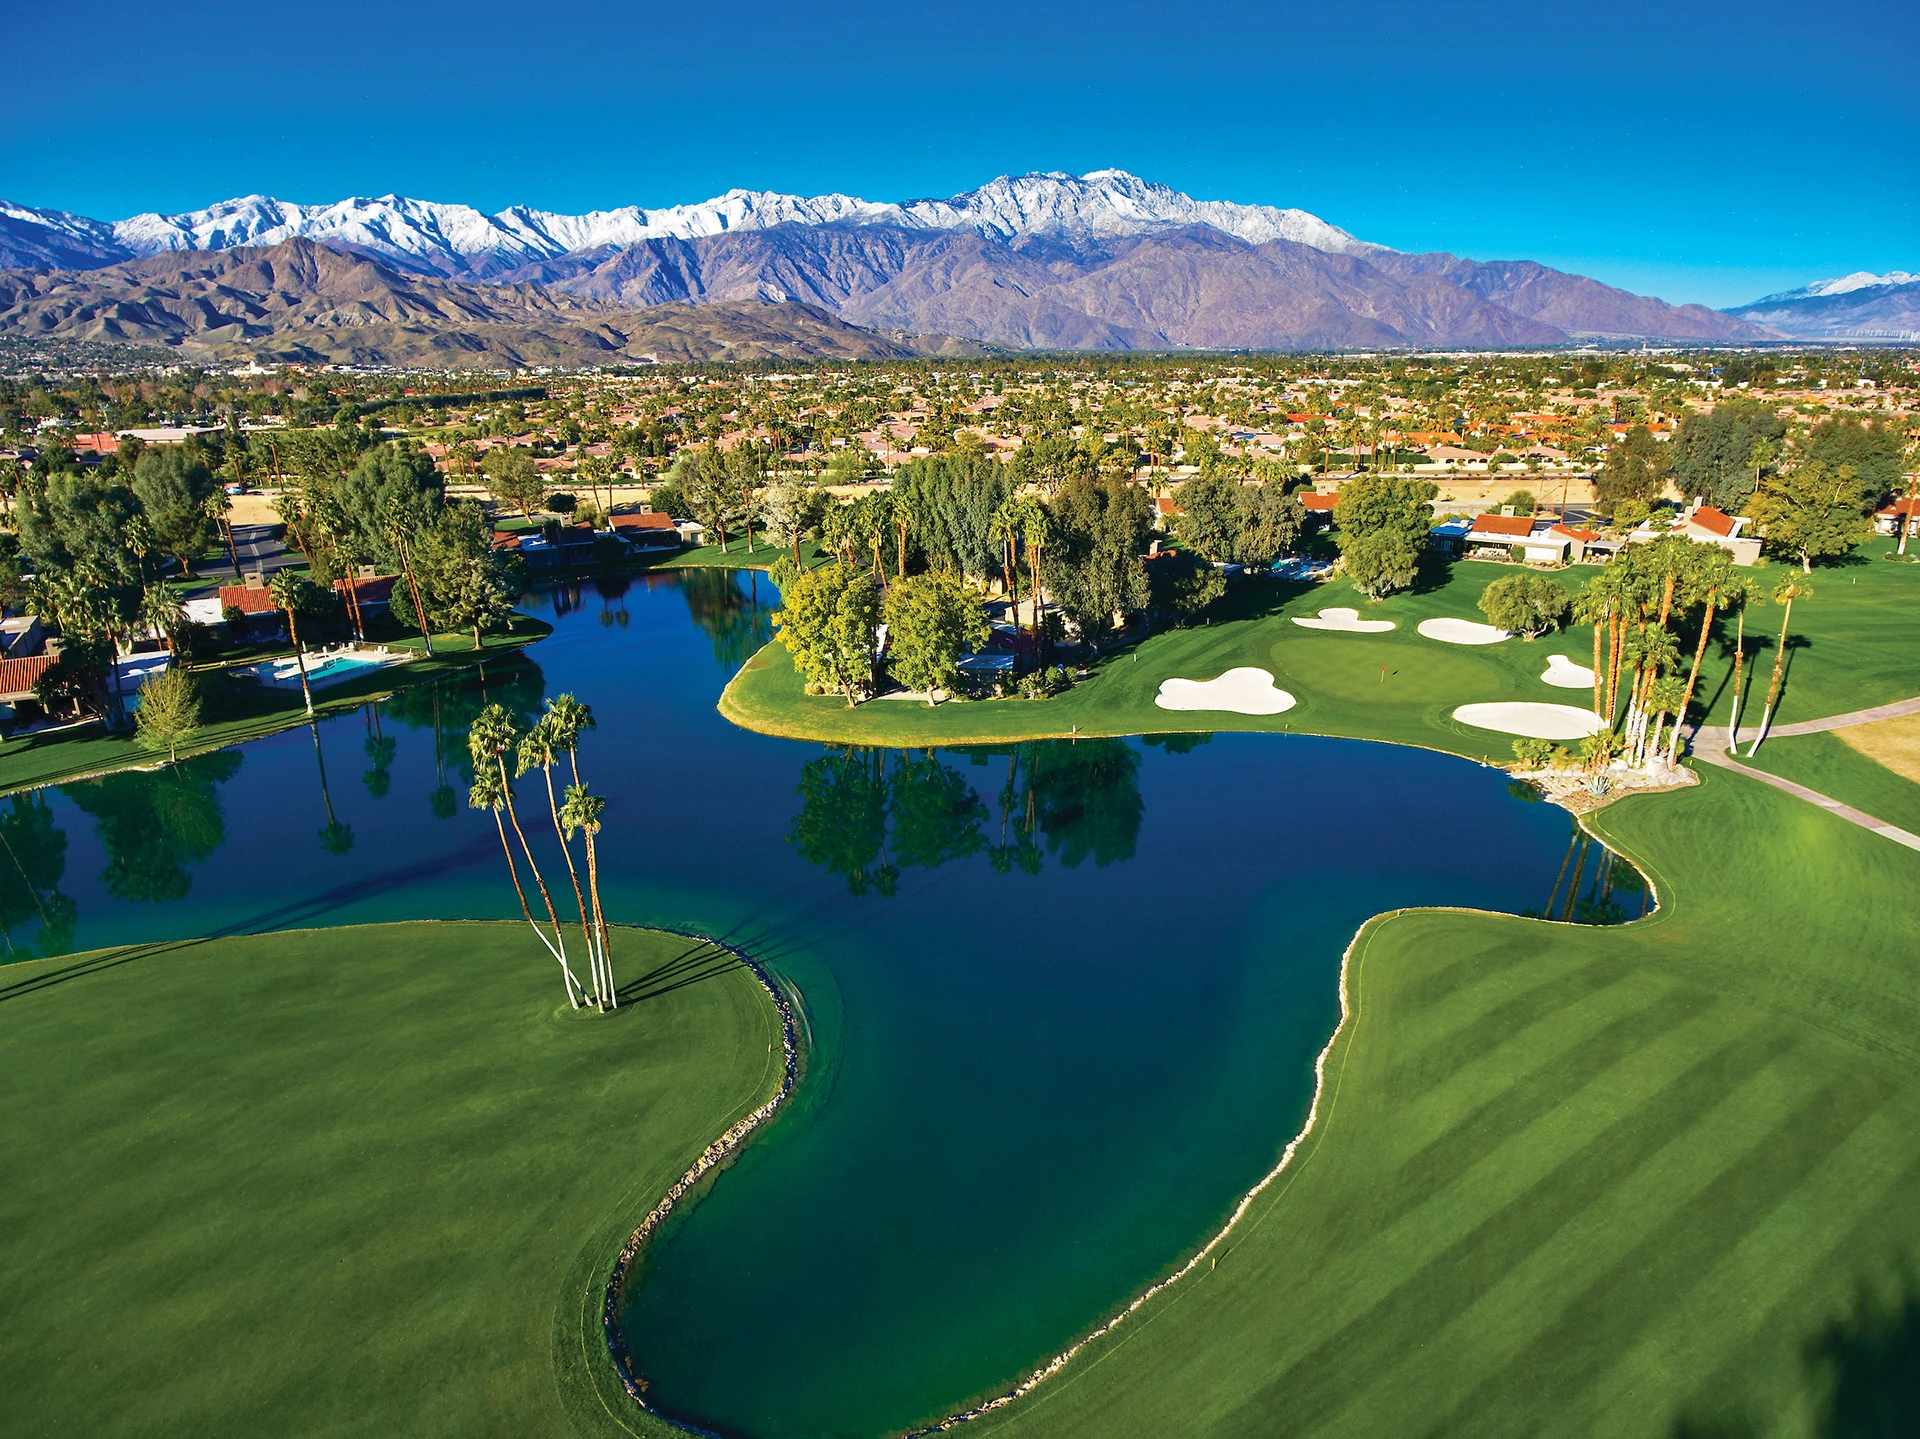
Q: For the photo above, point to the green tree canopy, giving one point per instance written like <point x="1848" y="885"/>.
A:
<point x="1382" y="530"/>
<point x="1872" y="448"/>
<point x="950" y="499"/>
<point x="513" y="478"/>
<point x="1209" y="519"/>
<point x="1815" y="510"/>
<point x="172" y="485"/>
<point x="1524" y="604"/>
<point x="1636" y="469"/>
<point x="78" y="520"/>
<point x="1092" y="567"/>
<point x="465" y="584"/>
<point x="1712" y="451"/>
<point x="827" y="622"/>
<point x="932" y="619"/>
<point x="392" y="486"/>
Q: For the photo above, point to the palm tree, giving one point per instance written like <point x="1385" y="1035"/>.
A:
<point x="1793" y="587"/>
<point x="1595" y="607"/>
<point x="582" y="812"/>
<point x="536" y="751"/>
<point x="569" y="719"/>
<point x="1667" y="696"/>
<point x="489" y="794"/>
<point x="287" y="591"/>
<point x="1005" y="527"/>
<point x="488" y="739"/>
<point x="1712" y="575"/>
<point x="1737" y="599"/>
<point x="162" y="613"/>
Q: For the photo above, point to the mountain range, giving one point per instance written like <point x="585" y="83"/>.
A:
<point x="1104" y="260"/>
<point x="299" y="301"/>
<point x="1859" y="306"/>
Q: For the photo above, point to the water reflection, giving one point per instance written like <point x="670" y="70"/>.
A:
<point x="154" y="825"/>
<point x="736" y="620"/>
<point x="36" y="852"/>
<point x="867" y="814"/>
<point x="1613" y="894"/>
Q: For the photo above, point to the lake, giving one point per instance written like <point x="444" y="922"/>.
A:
<point x="1063" y="999"/>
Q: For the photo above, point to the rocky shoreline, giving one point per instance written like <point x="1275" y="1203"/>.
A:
<point x="709" y="1159"/>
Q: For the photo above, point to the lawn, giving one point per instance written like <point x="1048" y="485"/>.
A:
<point x="363" y="1181"/>
<point x="735" y="556"/>
<point x="1396" y="686"/>
<point x="1827" y="763"/>
<point x="1643" y="1181"/>
<point x="235" y="710"/>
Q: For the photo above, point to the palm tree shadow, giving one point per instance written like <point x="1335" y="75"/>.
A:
<point x="693" y="965"/>
<point x="1870" y="1360"/>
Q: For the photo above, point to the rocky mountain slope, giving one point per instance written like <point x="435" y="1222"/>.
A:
<point x="1853" y="307"/>
<point x="300" y="301"/>
<point x="1104" y="260"/>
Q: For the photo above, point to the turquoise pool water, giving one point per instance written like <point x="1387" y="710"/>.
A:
<point x="1064" y="998"/>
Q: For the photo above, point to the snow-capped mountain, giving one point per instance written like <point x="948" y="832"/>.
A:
<point x="458" y="239"/>
<point x="1843" y="285"/>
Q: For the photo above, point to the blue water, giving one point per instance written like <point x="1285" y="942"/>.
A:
<point x="1064" y="998"/>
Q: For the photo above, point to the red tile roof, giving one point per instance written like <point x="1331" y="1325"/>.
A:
<point x="645" y="520"/>
<point x="17" y="677"/>
<point x="1709" y="518"/>
<point x="1586" y="537"/>
<point x="247" y="600"/>
<point x="370" y="591"/>
<point x="1516" y="527"/>
<point x="1905" y="505"/>
<point x="1317" y="503"/>
<point x="1165" y="505"/>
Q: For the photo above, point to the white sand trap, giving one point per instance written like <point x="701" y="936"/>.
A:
<point x="1246" y="691"/>
<point x="1563" y="673"/>
<point x="1462" y="632"/>
<point x="1536" y="721"/>
<point x="1346" y="620"/>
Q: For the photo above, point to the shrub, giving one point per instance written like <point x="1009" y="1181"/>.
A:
<point x="1533" y="753"/>
<point x="561" y="503"/>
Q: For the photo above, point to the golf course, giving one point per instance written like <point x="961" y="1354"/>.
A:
<point x="1655" y="1178"/>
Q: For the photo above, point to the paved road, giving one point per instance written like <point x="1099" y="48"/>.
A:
<point x="1713" y="754"/>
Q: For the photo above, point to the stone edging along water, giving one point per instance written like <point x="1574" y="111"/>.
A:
<point x="709" y="1159"/>
<point x="731" y="1140"/>
<point x="1066" y="1356"/>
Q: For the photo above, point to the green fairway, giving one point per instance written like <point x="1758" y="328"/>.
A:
<point x="1827" y="763"/>
<point x="364" y="1181"/>
<point x="233" y="710"/>
<point x="1646" y="1181"/>
<point x="1397" y="686"/>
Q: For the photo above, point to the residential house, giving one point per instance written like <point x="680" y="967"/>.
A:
<point x="646" y="530"/>
<point x="1707" y="525"/>
<point x="1888" y="521"/>
<point x="1319" y="508"/>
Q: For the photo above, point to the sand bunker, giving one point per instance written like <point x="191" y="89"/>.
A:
<point x="1536" y="721"/>
<point x="1346" y="620"/>
<point x="1563" y="673"/>
<point x="1246" y="691"/>
<point x="1462" y="632"/>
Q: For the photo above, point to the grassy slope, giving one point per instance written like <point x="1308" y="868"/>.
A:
<point x="735" y="556"/>
<point x="1852" y="661"/>
<point x="1827" y="763"/>
<point x="239" y="710"/>
<point x="1573" y="1181"/>
<point x="355" y="1181"/>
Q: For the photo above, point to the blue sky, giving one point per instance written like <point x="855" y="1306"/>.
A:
<point x="1700" y="152"/>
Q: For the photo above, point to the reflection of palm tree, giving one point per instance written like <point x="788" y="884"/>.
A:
<point x="335" y="838"/>
<point x="441" y="800"/>
<point x="380" y="752"/>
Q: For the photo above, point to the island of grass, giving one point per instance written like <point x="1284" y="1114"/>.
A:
<point x="236" y="708"/>
<point x="1847" y="651"/>
<point x="367" y="1180"/>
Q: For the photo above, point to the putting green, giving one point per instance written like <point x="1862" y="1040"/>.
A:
<point x="362" y="1181"/>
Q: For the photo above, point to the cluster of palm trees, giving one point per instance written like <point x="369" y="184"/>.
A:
<point x="1634" y="606"/>
<point x="574" y="811"/>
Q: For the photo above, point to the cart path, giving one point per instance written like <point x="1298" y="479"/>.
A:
<point x="1853" y="717"/>
<point x="1847" y="812"/>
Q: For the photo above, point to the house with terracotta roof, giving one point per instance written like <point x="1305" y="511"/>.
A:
<point x="1708" y="525"/>
<point x="1319" y="507"/>
<point x="646" y="529"/>
<point x="1887" y="521"/>
<point x="1494" y="536"/>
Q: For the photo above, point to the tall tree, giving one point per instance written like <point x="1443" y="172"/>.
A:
<point x="173" y="485"/>
<point x="583" y="812"/>
<point x="489" y="793"/>
<point x="1815" y="510"/>
<point x="932" y="620"/>
<point x="827" y="621"/>
<point x="1382" y="525"/>
<point x="1793" y="587"/>
<point x="491" y="735"/>
<point x="290" y="593"/>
